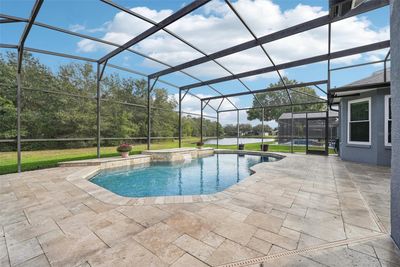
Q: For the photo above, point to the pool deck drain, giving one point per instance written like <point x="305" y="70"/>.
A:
<point x="304" y="250"/>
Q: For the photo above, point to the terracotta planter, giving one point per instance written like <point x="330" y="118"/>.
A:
<point x="124" y="154"/>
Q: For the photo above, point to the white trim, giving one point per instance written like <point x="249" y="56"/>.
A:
<point x="348" y="120"/>
<point x="387" y="97"/>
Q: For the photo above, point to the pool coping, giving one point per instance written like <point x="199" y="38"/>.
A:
<point x="81" y="179"/>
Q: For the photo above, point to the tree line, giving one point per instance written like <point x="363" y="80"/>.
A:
<point x="51" y="109"/>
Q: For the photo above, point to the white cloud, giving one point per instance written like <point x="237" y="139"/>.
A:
<point x="215" y="27"/>
<point x="76" y="27"/>
<point x="83" y="28"/>
<point x="87" y="46"/>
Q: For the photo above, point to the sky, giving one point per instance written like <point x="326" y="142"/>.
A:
<point x="210" y="28"/>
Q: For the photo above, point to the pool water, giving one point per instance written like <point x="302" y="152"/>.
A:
<point x="205" y="175"/>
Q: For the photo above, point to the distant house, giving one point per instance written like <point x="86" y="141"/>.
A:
<point x="365" y="119"/>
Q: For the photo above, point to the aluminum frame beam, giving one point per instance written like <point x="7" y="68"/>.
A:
<point x="46" y="52"/>
<point x="180" y="119"/>
<point x="385" y="66"/>
<point x="275" y="106"/>
<point x="164" y="23"/>
<point x="237" y="129"/>
<point x="271" y="89"/>
<point x="299" y="28"/>
<point x="27" y="29"/>
<point x="72" y="139"/>
<point x="148" y="113"/>
<point x="297" y="63"/>
<point x="21" y="44"/>
<point x="98" y="108"/>
<point x="8" y="46"/>
<point x="7" y="21"/>
<point x="358" y="65"/>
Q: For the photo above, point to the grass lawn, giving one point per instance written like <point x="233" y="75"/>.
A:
<point x="272" y="148"/>
<point x="32" y="160"/>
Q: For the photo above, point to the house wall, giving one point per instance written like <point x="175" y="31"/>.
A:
<point x="376" y="153"/>
<point x="395" y="83"/>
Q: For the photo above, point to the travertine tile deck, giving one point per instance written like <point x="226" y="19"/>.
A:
<point x="299" y="211"/>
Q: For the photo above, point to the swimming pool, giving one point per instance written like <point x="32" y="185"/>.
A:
<point x="205" y="175"/>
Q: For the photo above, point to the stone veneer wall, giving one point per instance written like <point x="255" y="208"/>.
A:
<point x="395" y="92"/>
<point x="131" y="161"/>
<point x="106" y="163"/>
<point x="178" y="154"/>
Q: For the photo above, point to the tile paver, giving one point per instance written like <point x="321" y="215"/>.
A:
<point x="23" y="251"/>
<point x="195" y="247"/>
<point x="188" y="260"/>
<point x="189" y="223"/>
<point x="230" y="251"/>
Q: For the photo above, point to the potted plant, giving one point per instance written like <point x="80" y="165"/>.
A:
<point x="199" y="145"/>
<point x="124" y="150"/>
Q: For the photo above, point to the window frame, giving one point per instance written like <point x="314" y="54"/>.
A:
<point x="349" y="121"/>
<point x="387" y="97"/>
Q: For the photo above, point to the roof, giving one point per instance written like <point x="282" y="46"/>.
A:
<point x="373" y="82"/>
<point x="375" y="77"/>
<point x="313" y="115"/>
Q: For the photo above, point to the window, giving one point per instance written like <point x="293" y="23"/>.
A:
<point x="388" y="120"/>
<point x="359" y="122"/>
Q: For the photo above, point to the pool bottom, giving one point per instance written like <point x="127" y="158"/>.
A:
<point x="206" y="175"/>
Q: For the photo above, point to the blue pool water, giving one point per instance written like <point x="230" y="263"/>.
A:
<point x="199" y="176"/>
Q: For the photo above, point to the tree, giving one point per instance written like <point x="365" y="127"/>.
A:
<point x="257" y="130"/>
<point x="8" y="117"/>
<point x="191" y="127"/>
<point x="245" y="128"/>
<point x="187" y="126"/>
<point x="276" y="98"/>
<point x="164" y="118"/>
<point x="230" y="130"/>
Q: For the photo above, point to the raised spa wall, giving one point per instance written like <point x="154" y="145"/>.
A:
<point x="178" y="154"/>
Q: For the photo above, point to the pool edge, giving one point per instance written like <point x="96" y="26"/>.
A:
<point x="81" y="179"/>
